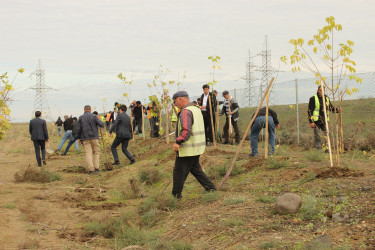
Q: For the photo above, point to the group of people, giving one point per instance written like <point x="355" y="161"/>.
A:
<point x="193" y="131"/>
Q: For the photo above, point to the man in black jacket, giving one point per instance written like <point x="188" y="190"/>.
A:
<point x="316" y="117"/>
<point x="205" y="108"/>
<point x="122" y="127"/>
<point x="74" y="137"/>
<point x="259" y="124"/>
<point x="59" y="124"/>
<point x="88" y="124"/>
<point x="137" y="112"/>
<point x="233" y="114"/>
<point x="39" y="136"/>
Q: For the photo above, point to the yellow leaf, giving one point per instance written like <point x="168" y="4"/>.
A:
<point x="315" y="49"/>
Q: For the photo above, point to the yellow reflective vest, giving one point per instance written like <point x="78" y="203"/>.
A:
<point x="315" y="115"/>
<point x="196" y="144"/>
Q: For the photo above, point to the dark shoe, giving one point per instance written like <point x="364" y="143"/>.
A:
<point x="63" y="154"/>
<point x="90" y="172"/>
<point x="39" y="166"/>
<point x="236" y="143"/>
<point x="116" y="163"/>
<point x="44" y="162"/>
<point x="225" y="142"/>
<point x="132" y="162"/>
<point x="251" y="155"/>
<point x="97" y="171"/>
<point x="326" y="151"/>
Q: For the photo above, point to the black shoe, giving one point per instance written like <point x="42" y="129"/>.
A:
<point x="251" y="155"/>
<point x="44" y="162"/>
<point x="63" y="154"/>
<point x="236" y="143"/>
<point x="90" y="172"/>
<point x="225" y="142"/>
<point x="97" y="171"/>
<point x="116" y="163"/>
<point x="132" y="162"/>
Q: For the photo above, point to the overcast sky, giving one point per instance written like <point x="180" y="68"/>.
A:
<point x="83" y="44"/>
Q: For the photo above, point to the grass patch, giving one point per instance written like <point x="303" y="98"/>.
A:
<point x="267" y="245"/>
<point x="210" y="197"/>
<point x="310" y="176"/>
<point x="273" y="163"/>
<point x="36" y="175"/>
<point x="165" y="202"/>
<point x="9" y="205"/>
<point x="234" y="200"/>
<point x="309" y="209"/>
<point x="234" y="221"/>
<point x="149" y="176"/>
<point x="315" y="156"/>
<point x="266" y="199"/>
<point x="216" y="172"/>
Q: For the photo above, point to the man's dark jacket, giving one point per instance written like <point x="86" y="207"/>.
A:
<point x="88" y="126"/>
<point x="137" y="112"/>
<point x="262" y="112"/>
<point x="122" y="126"/>
<point x="213" y="102"/>
<point x="321" y="110"/>
<point x="59" y="122"/>
<point x="68" y="124"/>
<point x="38" y="129"/>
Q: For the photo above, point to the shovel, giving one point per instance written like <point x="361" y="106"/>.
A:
<point x="48" y="149"/>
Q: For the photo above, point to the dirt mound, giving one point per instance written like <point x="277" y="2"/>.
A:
<point x="75" y="169"/>
<point x="335" y="172"/>
<point x="253" y="163"/>
<point x="101" y="206"/>
<point x="32" y="174"/>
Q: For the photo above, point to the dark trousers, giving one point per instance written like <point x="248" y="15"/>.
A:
<point x="320" y="128"/>
<point x="155" y="126"/>
<point x="138" y="122"/>
<point x="235" y="127"/>
<point x="72" y="140"/>
<point x="124" y="148"/>
<point x="185" y="165"/>
<point x="40" y="145"/>
<point x="107" y="125"/>
<point x="207" y="125"/>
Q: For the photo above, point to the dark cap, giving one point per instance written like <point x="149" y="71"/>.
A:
<point x="180" y="94"/>
<point x="225" y="92"/>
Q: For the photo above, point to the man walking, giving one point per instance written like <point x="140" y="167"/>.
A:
<point x="316" y="117"/>
<point x="68" y="127"/>
<point x="59" y="124"/>
<point x="39" y="136"/>
<point x="259" y="124"/>
<point x="233" y="114"/>
<point x="189" y="145"/>
<point x="74" y="136"/>
<point x="88" y="124"/>
<point x="122" y="127"/>
<point x="205" y="108"/>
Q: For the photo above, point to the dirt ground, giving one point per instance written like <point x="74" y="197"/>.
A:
<point x="53" y="215"/>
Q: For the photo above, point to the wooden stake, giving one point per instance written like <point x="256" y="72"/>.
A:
<point x="167" y="124"/>
<point x="131" y="121"/>
<point x="143" y="124"/>
<point x="218" y="120"/>
<point x="244" y="136"/>
<point x="341" y="128"/>
<point x="230" y="123"/>
<point x="267" y="135"/>
<point x="327" y="126"/>
<point x="212" y="119"/>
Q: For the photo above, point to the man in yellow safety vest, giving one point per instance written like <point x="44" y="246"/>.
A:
<point x="190" y="144"/>
<point x="316" y="117"/>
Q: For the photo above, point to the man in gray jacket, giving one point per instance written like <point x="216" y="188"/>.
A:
<point x="122" y="127"/>
<point x="39" y="136"/>
<point x="88" y="133"/>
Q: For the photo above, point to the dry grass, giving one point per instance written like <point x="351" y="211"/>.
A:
<point x="35" y="175"/>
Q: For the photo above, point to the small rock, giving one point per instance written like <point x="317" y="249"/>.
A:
<point x="340" y="199"/>
<point x="321" y="242"/>
<point x="366" y="188"/>
<point x="288" y="203"/>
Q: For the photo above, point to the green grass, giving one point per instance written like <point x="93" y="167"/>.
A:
<point x="273" y="163"/>
<point x="315" y="156"/>
<point x="149" y="176"/>
<point x="9" y="205"/>
<point x="234" y="200"/>
<point x="310" y="176"/>
<point x="266" y="199"/>
<point x="309" y="209"/>
<point x="210" y="197"/>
